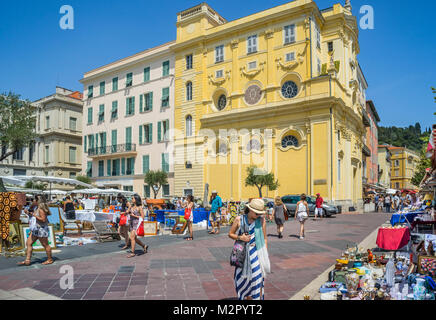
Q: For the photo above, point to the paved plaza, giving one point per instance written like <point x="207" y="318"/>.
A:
<point x="175" y="269"/>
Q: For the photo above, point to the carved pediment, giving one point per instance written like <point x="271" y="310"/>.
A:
<point x="254" y="72"/>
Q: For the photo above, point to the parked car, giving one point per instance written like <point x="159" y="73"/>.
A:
<point x="292" y="200"/>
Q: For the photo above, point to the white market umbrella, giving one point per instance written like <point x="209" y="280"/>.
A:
<point x="23" y="190"/>
<point x="50" y="180"/>
<point x="391" y="191"/>
<point x="13" y="180"/>
<point x="88" y="191"/>
<point x="56" y="192"/>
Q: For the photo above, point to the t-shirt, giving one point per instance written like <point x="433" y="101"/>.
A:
<point x="319" y="202"/>
<point x="396" y="201"/>
<point x="216" y="204"/>
<point x="388" y="200"/>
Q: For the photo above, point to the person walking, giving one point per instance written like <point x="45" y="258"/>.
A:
<point x="215" y="215"/>
<point x="388" y="203"/>
<point x="376" y="198"/>
<point x="318" y="206"/>
<point x="279" y="211"/>
<point x="396" y="202"/>
<point x="38" y="231"/>
<point x="251" y="229"/>
<point x="380" y="203"/>
<point x="301" y="213"/>
<point x="123" y="230"/>
<point x="189" y="209"/>
<point x="136" y="215"/>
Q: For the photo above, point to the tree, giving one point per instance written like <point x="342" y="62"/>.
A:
<point x="259" y="178"/>
<point x="423" y="164"/>
<point x="34" y="185"/>
<point x="434" y="92"/>
<point x="84" y="179"/>
<point x="156" y="179"/>
<point x="17" y="123"/>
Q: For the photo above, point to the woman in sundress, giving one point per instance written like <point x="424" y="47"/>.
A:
<point x="279" y="211"/>
<point x="251" y="228"/>
<point x="136" y="214"/>
<point x="39" y="231"/>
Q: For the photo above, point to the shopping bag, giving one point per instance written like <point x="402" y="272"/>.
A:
<point x="123" y="220"/>
<point x="187" y="214"/>
<point x="140" y="229"/>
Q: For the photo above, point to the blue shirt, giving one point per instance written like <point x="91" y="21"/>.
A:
<point x="216" y="204"/>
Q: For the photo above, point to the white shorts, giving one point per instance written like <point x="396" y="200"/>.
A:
<point x="318" y="210"/>
<point x="302" y="216"/>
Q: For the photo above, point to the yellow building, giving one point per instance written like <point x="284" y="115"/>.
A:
<point x="281" y="89"/>
<point x="404" y="163"/>
<point x="384" y="166"/>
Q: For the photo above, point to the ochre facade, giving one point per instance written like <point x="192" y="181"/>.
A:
<point x="282" y="94"/>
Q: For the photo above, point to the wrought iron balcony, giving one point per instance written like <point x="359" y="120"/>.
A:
<point x="127" y="148"/>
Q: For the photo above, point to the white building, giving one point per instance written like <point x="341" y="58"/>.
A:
<point x="57" y="151"/>
<point x="128" y="108"/>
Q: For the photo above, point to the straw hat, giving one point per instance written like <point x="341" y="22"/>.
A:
<point x="257" y="205"/>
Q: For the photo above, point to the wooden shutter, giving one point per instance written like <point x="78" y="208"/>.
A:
<point x="145" y="164"/>
<point x="123" y="166"/>
<point x="109" y="172"/>
<point x="150" y="133"/>
<point x="140" y="134"/>
<point x="141" y="101"/>
<point x="159" y="133"/>
<point x="84" y="138"/>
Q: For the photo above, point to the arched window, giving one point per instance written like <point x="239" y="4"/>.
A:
<point x="189" y="91"/>
<point x="289" y="141"/>
<point x="188" y="125"/>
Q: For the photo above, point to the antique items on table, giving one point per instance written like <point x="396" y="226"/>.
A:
<point x="360" y="275"/>
<point x="10" y="211"/>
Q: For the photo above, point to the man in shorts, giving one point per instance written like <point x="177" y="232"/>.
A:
<point x="215" y="214"/>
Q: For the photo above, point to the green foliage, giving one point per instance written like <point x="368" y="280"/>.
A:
<point x="411" y="137"/>
<point x="156" y="179"/>
<point x="17" y="123"/>
<point x="434" y="92"/>
<point x="259" y="178"/>
<point x="35" y="186"/>
<point x="84" y="179"/>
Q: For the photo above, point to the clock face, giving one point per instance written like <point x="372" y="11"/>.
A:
<point x="222" y="102"/>
<point x="253" y="94"/>
<point x="289" y="89"/>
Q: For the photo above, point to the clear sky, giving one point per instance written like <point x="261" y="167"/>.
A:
<point x="398" y="57"/>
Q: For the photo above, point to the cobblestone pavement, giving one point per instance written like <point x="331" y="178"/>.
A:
<point x="175" y="269"/>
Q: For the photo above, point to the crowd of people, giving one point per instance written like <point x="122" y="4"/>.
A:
<point x="397" y="202"/>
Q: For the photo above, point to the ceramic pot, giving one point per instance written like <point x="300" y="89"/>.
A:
<point x="419" y="290"/>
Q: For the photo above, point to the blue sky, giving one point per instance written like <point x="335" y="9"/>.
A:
<point x="398" y="57"/>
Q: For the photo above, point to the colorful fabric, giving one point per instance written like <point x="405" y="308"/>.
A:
<point x="233" y="208"/>
<point x="393" y="239"/>
<point x="8" y="205"/>
<point x="216" y="204"/>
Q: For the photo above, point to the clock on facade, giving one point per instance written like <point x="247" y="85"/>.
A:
<point x="289" y="89"/>
<point x="222" y="102"/>
<point x="253" y="94"/>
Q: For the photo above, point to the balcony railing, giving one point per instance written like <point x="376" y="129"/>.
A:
<point x="119" y="148"/>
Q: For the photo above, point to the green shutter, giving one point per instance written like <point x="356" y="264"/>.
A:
<point x="85" y="150"/>
<point x="165" y="68"/>
<point x="141" y="101"/>
<point x="123" y="166"/>
<point x="114" y="84"/>
<point x="89" y="115"/>
<point x="102" y="88"/>
<point x="150" y="133"/>
<point x="104" y="142"/>
<point x="132" y="165"/>
<point x="151" y="101"/>
<point x="114" y="140"/>
<point x="108" y="168"/>
<point x="96" y="141"/>
<point x="159" y="133"/>
<point x="147" y="74"/>
<point x="127" y="106"/>
<point x="140" y="134"/>
<point x="145" y="164"/>
<point x="133" y="105"/>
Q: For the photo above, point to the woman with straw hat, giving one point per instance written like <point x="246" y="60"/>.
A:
<point x="251" y="229"/>
<point x="279" y="212"/>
